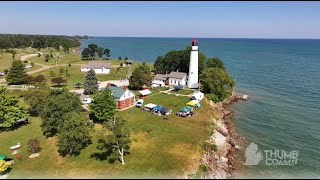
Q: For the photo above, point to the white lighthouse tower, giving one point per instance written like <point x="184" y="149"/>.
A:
<point x="193" y="67"/>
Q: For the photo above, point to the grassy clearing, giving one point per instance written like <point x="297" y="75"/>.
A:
<point x="71" y="58"/>
<point x="169" y="150"/>
<point x="77" y="76"/>
<point x="182" y="91"/>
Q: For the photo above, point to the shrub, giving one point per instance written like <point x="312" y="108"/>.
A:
<point x="52" y="74"/>
<point x="32" y="64"/>
<point x="6" y="71"/>
<point x="149" y="130"/>
<point x="25" y="61"/>
<point x="120" y="58"/>
<point x="34" y="145"/>
<point x="39" y="55"/>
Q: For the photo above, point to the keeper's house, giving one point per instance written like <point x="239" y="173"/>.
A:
<point x="99" y="67"/>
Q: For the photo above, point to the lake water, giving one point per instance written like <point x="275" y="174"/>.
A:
<point x="282" y="79"/>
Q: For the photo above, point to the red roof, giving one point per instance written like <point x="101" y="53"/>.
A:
<point x="194" y="40"/>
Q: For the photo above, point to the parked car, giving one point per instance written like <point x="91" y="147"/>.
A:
<point x="28" y="66"/>
<point x="87" y="101"/>
<point x="139" y="103"/>
<point x="2" y="73"/>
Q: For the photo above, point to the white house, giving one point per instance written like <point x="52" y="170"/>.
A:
<point x="159" y="79"/>
<point x="177" y="78"/>
<point x="174" y="78"/>
<point x="100" y="67"/>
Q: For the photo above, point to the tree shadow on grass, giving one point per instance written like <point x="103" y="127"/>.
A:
<point x="104" y="156"/>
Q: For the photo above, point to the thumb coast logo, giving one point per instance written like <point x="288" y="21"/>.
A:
<point x="270" y="157"/>
<point x="253" y="155"/>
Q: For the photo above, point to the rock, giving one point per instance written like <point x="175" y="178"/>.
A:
<point x="222" y="131"/>
<point x="34" y="155"/>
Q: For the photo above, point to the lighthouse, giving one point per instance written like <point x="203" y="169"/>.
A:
<point x="193" y="67"/>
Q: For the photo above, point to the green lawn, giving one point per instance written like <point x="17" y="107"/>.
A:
<point x="5" y="61"/>
<point x="71" y="58"/>
<point x="182" y="91"/>
<point x="77" y="76"/>
<point x="169" y="150"/>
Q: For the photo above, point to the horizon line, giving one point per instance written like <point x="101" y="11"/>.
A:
<point x="296" y="38"/>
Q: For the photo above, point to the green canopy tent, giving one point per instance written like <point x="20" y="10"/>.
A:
<point x="186" y="109"/>
<point x="2" y="157"/>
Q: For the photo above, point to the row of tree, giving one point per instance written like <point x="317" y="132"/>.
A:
<point x="92" y="50"/>
<point x="38" y="41"/>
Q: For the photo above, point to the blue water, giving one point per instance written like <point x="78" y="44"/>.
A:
<point x="282" y="79"/>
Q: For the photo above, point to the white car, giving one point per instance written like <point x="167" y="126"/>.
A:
<point x="87" y="101"/>
<point x="28" y="66"/>
<point x="139" y="103"/>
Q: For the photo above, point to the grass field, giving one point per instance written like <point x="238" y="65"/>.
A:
<point x="172" y="148"/>
<point x="77" y="76"/>
<point x="182" y="91"/>
<point x="71" y="58"/>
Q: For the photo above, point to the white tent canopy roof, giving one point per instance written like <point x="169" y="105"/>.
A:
<point x="145" y="92"/>
<point x="154" y="85"/>
<point x="150" y="105"/>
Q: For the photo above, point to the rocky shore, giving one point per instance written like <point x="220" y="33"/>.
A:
<point x="220" y="161"/>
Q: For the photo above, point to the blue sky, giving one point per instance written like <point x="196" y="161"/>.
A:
<point x="164" y="19"/>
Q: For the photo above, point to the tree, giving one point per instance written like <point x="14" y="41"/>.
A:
<point x="3" y="165"/>
<point x="140" y="76"/>
<point x="103" y="107"/>
<point x="34" y="145"/>
<point x="100" y="51"/>
<point x="92" y="49"/>
<point x="61" y="71"/>
<point x="30" y="79"/>
<point x="74" y="134"/>
<point x="17" y="73"/>
<point x="217" y="83"/>
<point x="58" y="103"/>
<point x="39" y="80"/>
<point x="85" y="53"/>
<point x="107" y="52"/>
<point x="177" y="60"/>
<point x="90" y="83"/>
<point x="215" y="63"/>
<point x="58" y="80"/>
<point x="13" y="52"/>
<point x="10" y="110"/>
<point x="117" y="142"/>
<point x="47" y="57"/>
<point x="39" y="55"/>
<point x="119" y="58"/>
<point x="36" y="98"/>
<point x="126" y="58"/>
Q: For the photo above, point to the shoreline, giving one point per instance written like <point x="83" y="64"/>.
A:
<point x="221" y="162"/>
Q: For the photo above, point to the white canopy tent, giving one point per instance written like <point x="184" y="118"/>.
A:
<point x="145" y="92"/>
<point x="150" y="105"/>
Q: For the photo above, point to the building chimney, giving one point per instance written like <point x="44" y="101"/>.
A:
<point x="178" y="70"/>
